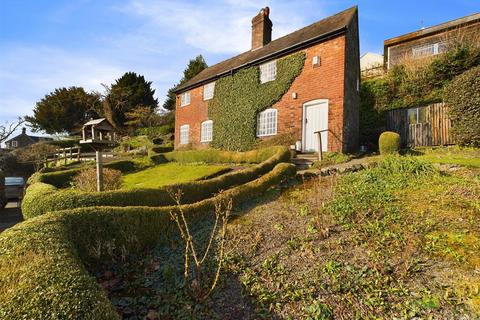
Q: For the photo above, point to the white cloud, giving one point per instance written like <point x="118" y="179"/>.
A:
<point x="218" y="27"/>
<point x="28" y="73"/>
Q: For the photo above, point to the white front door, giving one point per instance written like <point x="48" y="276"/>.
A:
<point x="315" y="118"/>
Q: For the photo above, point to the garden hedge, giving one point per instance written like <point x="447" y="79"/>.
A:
<point x="44" y="261"/>
<point x="462" y="96"/>
<point x="41" y="198"/>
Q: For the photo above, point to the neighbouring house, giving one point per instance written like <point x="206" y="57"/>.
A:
<point x="323" y="98"/>
<point x="24" y="140"/>
<point x="371" y="65"/>
<point x="431" y="41"/>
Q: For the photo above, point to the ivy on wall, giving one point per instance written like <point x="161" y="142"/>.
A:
<point x="240" y="97"/>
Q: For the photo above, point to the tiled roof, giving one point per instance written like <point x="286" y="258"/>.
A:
<point x="315" y="32"/>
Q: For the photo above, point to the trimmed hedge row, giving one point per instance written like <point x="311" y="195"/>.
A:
<point x="219" y="156"/>
<point x="3" y="199"/>
<point x="43" y="261"/>
<point x="41" y="198"/>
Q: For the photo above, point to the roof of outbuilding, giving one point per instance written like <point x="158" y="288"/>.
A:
<point x="315" y="32"/>
<point x="473" y="18"/>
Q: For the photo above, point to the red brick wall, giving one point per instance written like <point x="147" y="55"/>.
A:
<point x="193" y="115"/>
<point x="322" y="82"/>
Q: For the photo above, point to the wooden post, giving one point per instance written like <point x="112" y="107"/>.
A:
<point x="99" y="171"/>
<point x="320" y="154"/>
<point x="71" y="153"/>
<point x="64" y="156"/>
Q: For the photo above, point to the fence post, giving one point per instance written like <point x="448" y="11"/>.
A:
<point x="99" y="171"/>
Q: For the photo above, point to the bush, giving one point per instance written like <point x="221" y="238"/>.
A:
<point x="162" y="149"/>
<point x="43" y="261"/>
<point x="462" y="96"/>
<point x="86" y="180"/>
<point x="155" y="132"/>
<point x="219" y="156"/>
<point x="389" y="142"/>
<point x="283" y="139"/>
<point x="37" y="203"/>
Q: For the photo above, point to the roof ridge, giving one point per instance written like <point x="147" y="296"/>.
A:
<point x="325" y="20"/>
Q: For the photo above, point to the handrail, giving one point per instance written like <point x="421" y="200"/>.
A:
<point x="320" y="153"/>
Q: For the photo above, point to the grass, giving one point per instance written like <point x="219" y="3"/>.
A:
<point x="469" y="157"/>
<point x="331" y="158"/>
<point x="400" y="240"/>
<point x="169" y="173"/>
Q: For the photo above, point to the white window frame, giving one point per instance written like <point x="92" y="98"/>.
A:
<point x="206" y="132"/>
<point x="268" y="71"/>
<point x="267" y="121"/>
<point x="427" y="50"/>
<point x="185" y="99"/>
<point x="184" y="133"/>
<point x="14" y="143"/>
<point x="208" y="91"/>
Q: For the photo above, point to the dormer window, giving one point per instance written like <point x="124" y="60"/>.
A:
<point x="208" y="91"/>
<point x="185" y="99"/>
<point x="268" y="71"/>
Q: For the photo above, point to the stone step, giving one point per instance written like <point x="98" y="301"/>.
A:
<point x="308" y="156"/>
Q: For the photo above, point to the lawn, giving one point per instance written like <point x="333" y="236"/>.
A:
<point x="397" y="241"/>
<point x="451" y="155"/>
<point x="169" y="173"/>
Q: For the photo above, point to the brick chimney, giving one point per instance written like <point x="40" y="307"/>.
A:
<point x="261" y="29"/>
<point x="24" y="130"/>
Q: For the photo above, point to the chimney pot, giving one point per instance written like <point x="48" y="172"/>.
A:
<point x="261" y="29"/>
<point x="24" y="130"/>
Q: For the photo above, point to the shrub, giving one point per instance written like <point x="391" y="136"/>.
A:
<point x="155" y="132"/>
<point x="37" y="203"/>
<point x="283" y="139"/>
<point x="219" y="156"/>
<point x="389" y="142"/>
<point x="462" y="96"/>
<point x="86" y="180"/>
<point x="43" y="261"/>
<point x="162" y="149"/>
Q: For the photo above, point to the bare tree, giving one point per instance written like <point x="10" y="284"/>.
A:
<point x="8" y="128"/>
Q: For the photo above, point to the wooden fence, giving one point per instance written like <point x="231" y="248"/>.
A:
<point x="372" y="72"/>
<point x="434" y="129"/>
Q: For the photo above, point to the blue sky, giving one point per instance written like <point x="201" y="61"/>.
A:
<point x="45" y="44"/>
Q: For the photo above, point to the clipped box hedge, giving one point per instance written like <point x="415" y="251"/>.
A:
<point x="220" y="156"/>
<point x="3" y="199"/>
<point x="44" y="261"/>
<point x="41" y="198"/>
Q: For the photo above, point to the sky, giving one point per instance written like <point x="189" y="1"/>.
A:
<point x="47" y="44"/>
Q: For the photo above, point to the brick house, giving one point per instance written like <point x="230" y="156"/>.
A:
<point x="431" y="41"/>
<point x="324" y="96"/>
<point x="24" y="140"/>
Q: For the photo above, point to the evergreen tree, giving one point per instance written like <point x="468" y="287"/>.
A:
<point x="63" y="110"/>
<point x="194" y="67"/>
<point x="128" y="93"/>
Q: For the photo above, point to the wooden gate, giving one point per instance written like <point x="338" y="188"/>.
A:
<point x="433" y="128"/>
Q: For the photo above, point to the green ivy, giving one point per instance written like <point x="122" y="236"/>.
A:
<point x="240" y="97"/>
